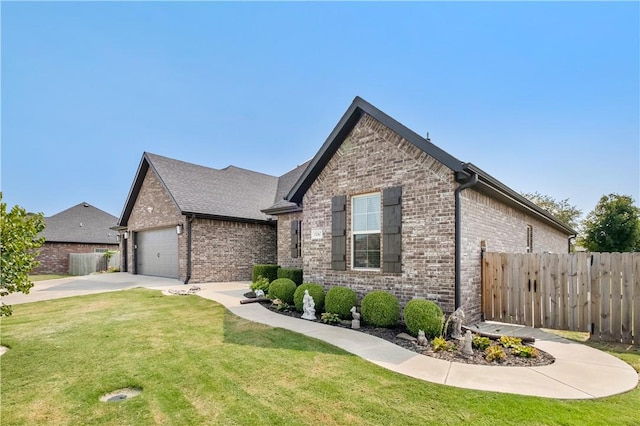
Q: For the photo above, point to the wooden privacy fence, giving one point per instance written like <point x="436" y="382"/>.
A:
<point x="86" y="263"/>
<point x="595" y="292"/>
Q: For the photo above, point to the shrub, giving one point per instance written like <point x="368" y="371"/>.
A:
<point x="283" y="289"/>
<point x="480" y="342"/>
<point x="329" y="318"/>
<point x="525" y="351"/>
<point x="294" y="274"/>
<point x="380" y="309"/>
<point x="510" y="342"/>
<point x="269" y="272"/>
<point x="495" y="353"/>
<point x="423" y="315"/>
<point x="340" y="300"/>
<point x="315" y="290"/>
<point x="261" y="283"/>
<point x="440" y="344"/>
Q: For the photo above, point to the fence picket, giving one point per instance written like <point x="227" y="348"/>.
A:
<point x="596" y="297"/>
<point x="626" y="311"/>
<point x="616" y="295"/>
<point x="605" y="300"/>
<point x="583" y="299"/>
<point x="636" y="298"/>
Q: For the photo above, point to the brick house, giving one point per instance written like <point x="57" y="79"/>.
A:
<point x="80" y="229"/>
<point x="378" y="208"/>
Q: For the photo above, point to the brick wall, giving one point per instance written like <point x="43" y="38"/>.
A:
<point x="370" y="159"/>
<point x="503" y="229"/>
<point x="54" y="257"/>
<point x="284" y="241"/>
<point x="227" y="251"/>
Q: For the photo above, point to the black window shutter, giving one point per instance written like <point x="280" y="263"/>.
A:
<point x="339" y="233"/>
<point x="392" y="229"/>
<point x="295" y="238"/>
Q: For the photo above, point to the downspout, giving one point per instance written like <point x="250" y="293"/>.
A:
<point x="471" y="181"/>
<point x="571" y="237"/>
<point x="189" y="231"/>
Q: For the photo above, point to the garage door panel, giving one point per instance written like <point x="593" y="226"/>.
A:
<point x="158" y="253"/>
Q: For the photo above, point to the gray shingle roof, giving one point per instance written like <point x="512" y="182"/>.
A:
<point x="285" y="183"/>
<point x="231" y="192"/>
<point x="82" y="223"/>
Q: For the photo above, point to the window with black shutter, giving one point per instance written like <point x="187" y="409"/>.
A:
<point x="392" y="229"/>
<point x="339" y="233"/>
<point x="365" y="228"/>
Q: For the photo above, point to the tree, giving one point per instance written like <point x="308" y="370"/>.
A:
<point x="613" y="226"/>
<point x="561" y="210"/>
<point x="18" y="246"/>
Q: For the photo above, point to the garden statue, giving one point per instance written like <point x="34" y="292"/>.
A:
<point x="422" y="339"/>
<point x="308" y="306"/>
<point x="355" y="322"/>
<point x="259" y="293"/>
<point x="468" y="340"/>
<point x="456" y="323"/>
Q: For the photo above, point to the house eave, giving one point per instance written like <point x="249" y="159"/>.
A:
<point x="206" y="216"/>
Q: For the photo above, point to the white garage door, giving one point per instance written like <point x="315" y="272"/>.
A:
<point x="158" y="253"/>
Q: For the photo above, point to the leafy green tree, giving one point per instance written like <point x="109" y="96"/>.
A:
<point x="560" y="209"/>
<point x="19" y="246"/>
<point x="613" y="226"/>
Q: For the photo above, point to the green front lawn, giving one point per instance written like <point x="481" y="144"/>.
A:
<point x="46" y="277"/>
<point x="199" y="364"/>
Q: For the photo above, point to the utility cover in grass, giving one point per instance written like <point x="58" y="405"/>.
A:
<point x="120" y="395"/>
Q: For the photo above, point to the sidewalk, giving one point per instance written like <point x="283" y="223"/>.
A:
<point x="579" y="372"/>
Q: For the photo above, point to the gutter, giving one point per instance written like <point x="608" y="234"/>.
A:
<point x="467" y="183"/>
<point x="189" y="232"/>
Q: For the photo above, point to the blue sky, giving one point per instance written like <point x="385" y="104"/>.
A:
<point x="543" y="96"/>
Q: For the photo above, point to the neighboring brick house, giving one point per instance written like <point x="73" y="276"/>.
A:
<point x="378" y="208"/>
<point x="198" y="224"/>
<point x="79" y="229"/>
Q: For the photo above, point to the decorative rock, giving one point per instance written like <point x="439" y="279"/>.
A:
<point x="422" y="339"/>
<point x="405" y="336"/>
<point x="468" y="340"/>
<point x="308" y="306"/>
<point x="355" y="322"/>
<point x="456" y="323"/>
<point x="259" y="293"/>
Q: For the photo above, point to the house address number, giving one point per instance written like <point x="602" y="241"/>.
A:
<point x="316" y="234"/>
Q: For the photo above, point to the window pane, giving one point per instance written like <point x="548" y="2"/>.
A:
<point x="373" y="221"/>
<point x="359" y="222"/>
<point x="359" y="205"/>
<point x="366" y="252"/>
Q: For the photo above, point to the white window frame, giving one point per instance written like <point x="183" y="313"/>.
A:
<point x="368" y="232"/>
<point x="529" y="238"/>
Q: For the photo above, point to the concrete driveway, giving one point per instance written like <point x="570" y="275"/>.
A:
<point x="89" y="284"/>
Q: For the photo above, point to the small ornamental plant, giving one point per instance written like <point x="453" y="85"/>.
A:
<point x="441" y="344"/>
<point x="510" y="342"/>
<point x="480" y="343"/>
<point x="330" y="318"/>
<point x="261" y="283"/>
<point x="495" y="353"/>
<point x="525" y="351"/>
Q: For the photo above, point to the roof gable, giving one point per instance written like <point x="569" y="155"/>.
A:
<point x="348" y="121"/>
<point x="82" y="223"/>
<point x="229" y="193"/>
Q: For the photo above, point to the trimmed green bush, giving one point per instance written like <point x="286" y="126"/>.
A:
<point x="269" y="272"/>
<point x="294" y="274"/>
<point x="340" y="300"/>
<point x="380" y="309"/>
<point x="423" y="315"/>
<point x="315" y="290"/>
<point x="283" y="289"/>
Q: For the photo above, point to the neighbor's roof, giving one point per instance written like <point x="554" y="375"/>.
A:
<point x="486" y="183"/>
<point x="82" y="223"/>
<point x="231" y="193"/>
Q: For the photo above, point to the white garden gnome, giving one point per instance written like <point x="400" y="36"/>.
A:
<point x="308" y="306"/>
<point x="457" y="317"/>
<point x="355" y="322"/>
<point x="467" y="348"/>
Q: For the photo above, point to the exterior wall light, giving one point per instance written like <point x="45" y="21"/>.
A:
<point x="179" y="228"/>
<point x="126" y="234"/>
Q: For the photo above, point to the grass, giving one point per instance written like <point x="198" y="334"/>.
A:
<point x="199" y="364"/>
<point x="45" y="277"/>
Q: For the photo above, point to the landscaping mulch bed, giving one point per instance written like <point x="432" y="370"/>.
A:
<point x="391" y="335"/>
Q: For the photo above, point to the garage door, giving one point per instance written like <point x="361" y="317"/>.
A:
<point x="157" y="253"/>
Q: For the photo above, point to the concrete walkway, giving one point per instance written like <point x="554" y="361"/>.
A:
<point x="579" y="372"/>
